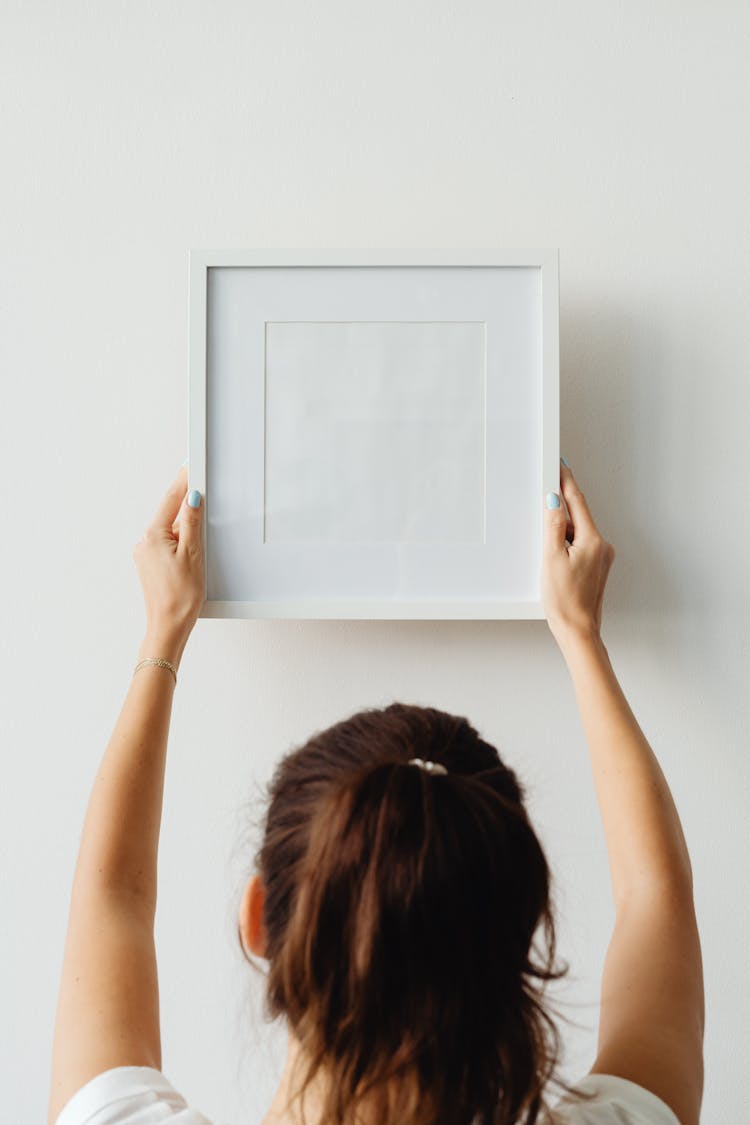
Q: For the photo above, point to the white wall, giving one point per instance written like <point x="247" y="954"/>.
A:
<point x="133" y="131"/>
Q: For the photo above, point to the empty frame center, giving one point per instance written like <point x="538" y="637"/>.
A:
<point x="374" y="431"/>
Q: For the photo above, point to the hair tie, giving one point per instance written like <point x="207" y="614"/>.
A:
<point x="430" y="767"/>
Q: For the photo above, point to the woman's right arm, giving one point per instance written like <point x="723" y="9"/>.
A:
<point x="651" y="1022"/>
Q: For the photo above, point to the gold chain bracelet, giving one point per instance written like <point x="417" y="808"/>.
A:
<point x="159" y="662"/>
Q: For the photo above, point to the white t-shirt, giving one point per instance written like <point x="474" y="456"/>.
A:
<point x="140" y="1095"/>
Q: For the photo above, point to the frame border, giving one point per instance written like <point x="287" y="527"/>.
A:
<point x="199" y="263"/>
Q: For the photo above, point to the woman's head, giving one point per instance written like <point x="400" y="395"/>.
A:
<point x="398" y="912"/>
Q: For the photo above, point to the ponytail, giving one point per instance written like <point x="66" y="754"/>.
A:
<point x="401" y="907"/>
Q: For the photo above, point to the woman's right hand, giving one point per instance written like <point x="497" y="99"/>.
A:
<point x="573" y="573"/>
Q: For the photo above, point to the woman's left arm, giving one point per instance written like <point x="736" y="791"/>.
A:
<point x="108" y="1005"/>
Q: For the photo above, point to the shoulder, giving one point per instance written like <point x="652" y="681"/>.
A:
<point x="607" y="1100"/>
<point x="129" y="1095"/>
<point x="142" y="1095"/>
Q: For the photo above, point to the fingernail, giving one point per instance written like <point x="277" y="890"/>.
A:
<point x="565" y="463"/>
<point x="184" y="463"/>
<point x="553" y="500"/>
<point x="194" y="499"/>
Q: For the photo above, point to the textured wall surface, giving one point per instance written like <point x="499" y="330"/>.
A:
<point x="131" y="132"/>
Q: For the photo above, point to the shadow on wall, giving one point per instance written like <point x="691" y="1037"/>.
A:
<point x="631" y="435"/>
<point x="614" y="407"/>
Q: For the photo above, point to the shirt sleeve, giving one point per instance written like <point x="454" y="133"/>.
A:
<point x="141" y="1095"/>
<point x="129" y="1095"/>
<point x="613" y="1101"/>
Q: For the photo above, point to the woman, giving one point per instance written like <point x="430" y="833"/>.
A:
<point x="397" y="892"/>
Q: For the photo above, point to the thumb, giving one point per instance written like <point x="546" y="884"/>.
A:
<point x="555" y="523"/>
<point x="191" y="517"/>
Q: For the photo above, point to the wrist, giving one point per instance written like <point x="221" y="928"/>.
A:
<point x="165" y="640"/>
<point x="573" y="640"/>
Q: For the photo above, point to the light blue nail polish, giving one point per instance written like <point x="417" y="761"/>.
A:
<point x="565" y="463"/>
<point x="184" y="463"/>
<point x="194" y="499"/>
<point x="553" y="500"/>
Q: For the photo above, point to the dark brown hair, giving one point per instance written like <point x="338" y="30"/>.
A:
<point x="402" y="911"/>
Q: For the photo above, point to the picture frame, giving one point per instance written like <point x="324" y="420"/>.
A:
<point x="373" y="431"/>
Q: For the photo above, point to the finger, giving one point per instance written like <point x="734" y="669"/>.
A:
<point x="580" y="516"/>
<point x="568" y="521"/>
<point x="555" y="523"/>
<point x="190" y="523"/>
<point x="606" y="566"/>
<point x="166" y="513"/>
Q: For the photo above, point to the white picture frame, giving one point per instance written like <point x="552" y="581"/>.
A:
<point x="373" y="431"/>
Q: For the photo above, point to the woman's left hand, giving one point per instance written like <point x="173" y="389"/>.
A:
<point x="171" y="563"/>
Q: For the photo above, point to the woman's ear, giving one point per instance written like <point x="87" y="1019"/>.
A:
<point x="251" y="917"/>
